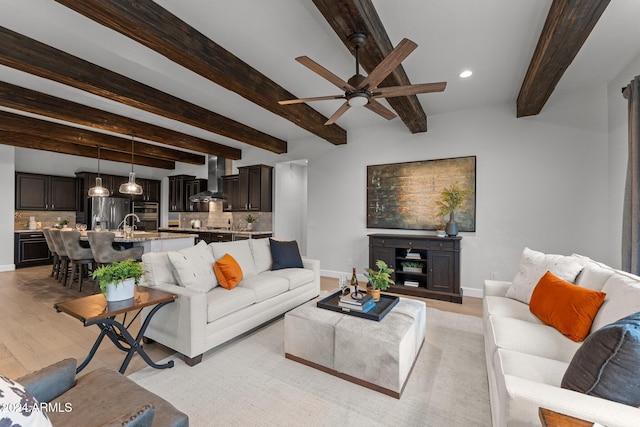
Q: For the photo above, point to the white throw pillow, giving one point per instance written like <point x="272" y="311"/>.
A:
<point x="261" y="254"/>
<point x="594" y="276"/>
<point x="158" y="269"/>
<point x="623" y="299"/>
<point x="533" y="265"/>
<point x="18" y="407"/>
<point x="193" y="268"/>
<point x="240" y="251"/>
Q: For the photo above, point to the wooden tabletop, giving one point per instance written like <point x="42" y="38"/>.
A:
<point x="95" y="307"/>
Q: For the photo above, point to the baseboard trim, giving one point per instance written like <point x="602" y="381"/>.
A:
<point x="472" y="292"/>
<point x="8" y="267"/>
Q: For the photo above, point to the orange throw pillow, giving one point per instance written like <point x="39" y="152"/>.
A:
<point x="567" y="307"/>
<point x="228" y="271"/>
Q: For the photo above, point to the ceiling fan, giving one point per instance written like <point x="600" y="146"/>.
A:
<point x="363" y="91"/>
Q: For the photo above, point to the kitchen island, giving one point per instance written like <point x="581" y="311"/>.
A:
<point x="157" y="241"/>
<point x="210" y="235"/>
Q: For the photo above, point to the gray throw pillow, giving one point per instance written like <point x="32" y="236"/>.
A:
<point x="285" y="255"/>
<point x="607" y="365"/>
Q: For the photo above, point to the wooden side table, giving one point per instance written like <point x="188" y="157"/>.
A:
<point x="94" y="310"/>
<point x="549" y="418"/>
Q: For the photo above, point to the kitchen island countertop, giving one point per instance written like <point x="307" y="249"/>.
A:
<point x="214" y="230"/>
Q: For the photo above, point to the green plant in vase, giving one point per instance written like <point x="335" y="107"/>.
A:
<point x="379" y="280"/>
<point x="250" y="220"/>
<point x="451" y="198"/>
<point x="118" y="272"/>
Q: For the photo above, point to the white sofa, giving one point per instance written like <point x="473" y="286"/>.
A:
<point x="526" y="359"/>
<point x="201" y="318"/>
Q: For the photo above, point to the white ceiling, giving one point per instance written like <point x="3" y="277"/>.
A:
<point x="494" y="38"/>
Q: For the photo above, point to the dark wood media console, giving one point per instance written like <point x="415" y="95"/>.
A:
<point x="439" y="275"/>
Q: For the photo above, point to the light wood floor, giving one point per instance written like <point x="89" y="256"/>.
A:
<point x="33" y="335"/>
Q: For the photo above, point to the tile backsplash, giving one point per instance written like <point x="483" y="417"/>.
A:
<point x="45" y="218"/>
<point x="217" y="218"/>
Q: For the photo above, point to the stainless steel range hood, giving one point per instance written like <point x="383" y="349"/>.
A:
<point x="216" y="169"/>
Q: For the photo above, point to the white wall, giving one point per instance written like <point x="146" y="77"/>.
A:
<point x="618" y="151"/>
<point x="541" y="182"/>
<point x="7" y="178"/>
<point x="290" y="202"/>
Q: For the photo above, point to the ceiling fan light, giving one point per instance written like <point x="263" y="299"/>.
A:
<point x="358" y="100"/>
<point x="98" y="190"/>
<point x="465" y="74"/>
<point x="131" y="187"/>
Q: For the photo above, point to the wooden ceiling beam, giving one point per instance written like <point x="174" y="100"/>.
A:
<point x="350" y="16"/>
<point x="31" y="56"/>
<point x="153" y="26"/>
<point x="34" y="142"/>
<point x="565" y="30"/>
<point x="23" y="124"/>
<point x="35" y="102"/>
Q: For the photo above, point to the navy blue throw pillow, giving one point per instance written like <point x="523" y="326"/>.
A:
<point x="285" y="254"/>
<point x="607" y="365"/>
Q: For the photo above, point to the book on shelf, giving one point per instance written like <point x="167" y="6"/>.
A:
<point x="367" y="306"/>
<point x="413" y="255"/>
<point x="412" y="283"/>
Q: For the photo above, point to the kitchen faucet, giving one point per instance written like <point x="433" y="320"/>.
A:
<point x="124" y="221"/>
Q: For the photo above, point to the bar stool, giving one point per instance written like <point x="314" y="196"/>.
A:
<point x="63" y="269"/>
<point x="81" y="258"/>
<point x="104" y="253"/>
<point x="56" y="259"/>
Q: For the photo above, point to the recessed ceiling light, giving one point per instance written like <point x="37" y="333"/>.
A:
<point x="466" y="73"/>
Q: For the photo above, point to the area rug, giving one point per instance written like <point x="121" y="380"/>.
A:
<point x="248" y="382"/>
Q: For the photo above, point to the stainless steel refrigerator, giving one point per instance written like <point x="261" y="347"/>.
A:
<point x="108" y="211"/>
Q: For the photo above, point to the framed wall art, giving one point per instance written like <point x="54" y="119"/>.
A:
<point x="404" y="195"/>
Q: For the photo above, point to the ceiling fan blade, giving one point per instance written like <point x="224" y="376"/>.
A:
<point x="390" y="92"/>
<point x="380" y="109"/>
<point x="340" y="111"/>
<point x="316" y="98"/>
<point x="323" y="72"/>
<point x="388" y="64"/>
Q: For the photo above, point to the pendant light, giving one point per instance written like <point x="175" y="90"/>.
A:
<point x="131" y="187"/>
<point x="98" y="190"/>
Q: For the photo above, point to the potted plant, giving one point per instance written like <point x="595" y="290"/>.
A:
<point x="451" y="198"/>
<point x="378" y="280"/>
<point x="117" y="280"/>
<point x="411" y="266"/>
<point x="250" y="220"/>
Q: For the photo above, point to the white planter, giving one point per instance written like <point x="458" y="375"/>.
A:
<point x="249" y="226"/>
<point x="124" y="290"/>
<point x="412" y="269"/>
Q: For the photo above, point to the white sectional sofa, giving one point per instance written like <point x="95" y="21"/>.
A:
<point x="527" y="359"/>
<point x="206" y="316"/>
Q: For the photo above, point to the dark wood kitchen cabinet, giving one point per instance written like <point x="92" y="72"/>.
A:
<point x="437" y="260"/>
<point x="30" y="249"/>
<point x="255" y="188"/>
<point x="45" y="192"/>
<point x="177" y="192"/>
<point x="231" y="192"/>
<point x="192" y="188"/>
<point x="150" y="190"/>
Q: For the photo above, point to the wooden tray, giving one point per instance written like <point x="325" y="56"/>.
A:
<point x="377" y="313"/>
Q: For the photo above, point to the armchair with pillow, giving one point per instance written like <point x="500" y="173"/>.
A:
<point x="226" y="289"/>
<point x="565" y="336"/>
<point x="53" y="396"/>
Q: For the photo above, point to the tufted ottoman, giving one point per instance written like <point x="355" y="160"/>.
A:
<point x="339" y="344"/>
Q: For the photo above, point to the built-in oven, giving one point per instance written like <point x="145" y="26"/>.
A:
<point x="149" y="215"/>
